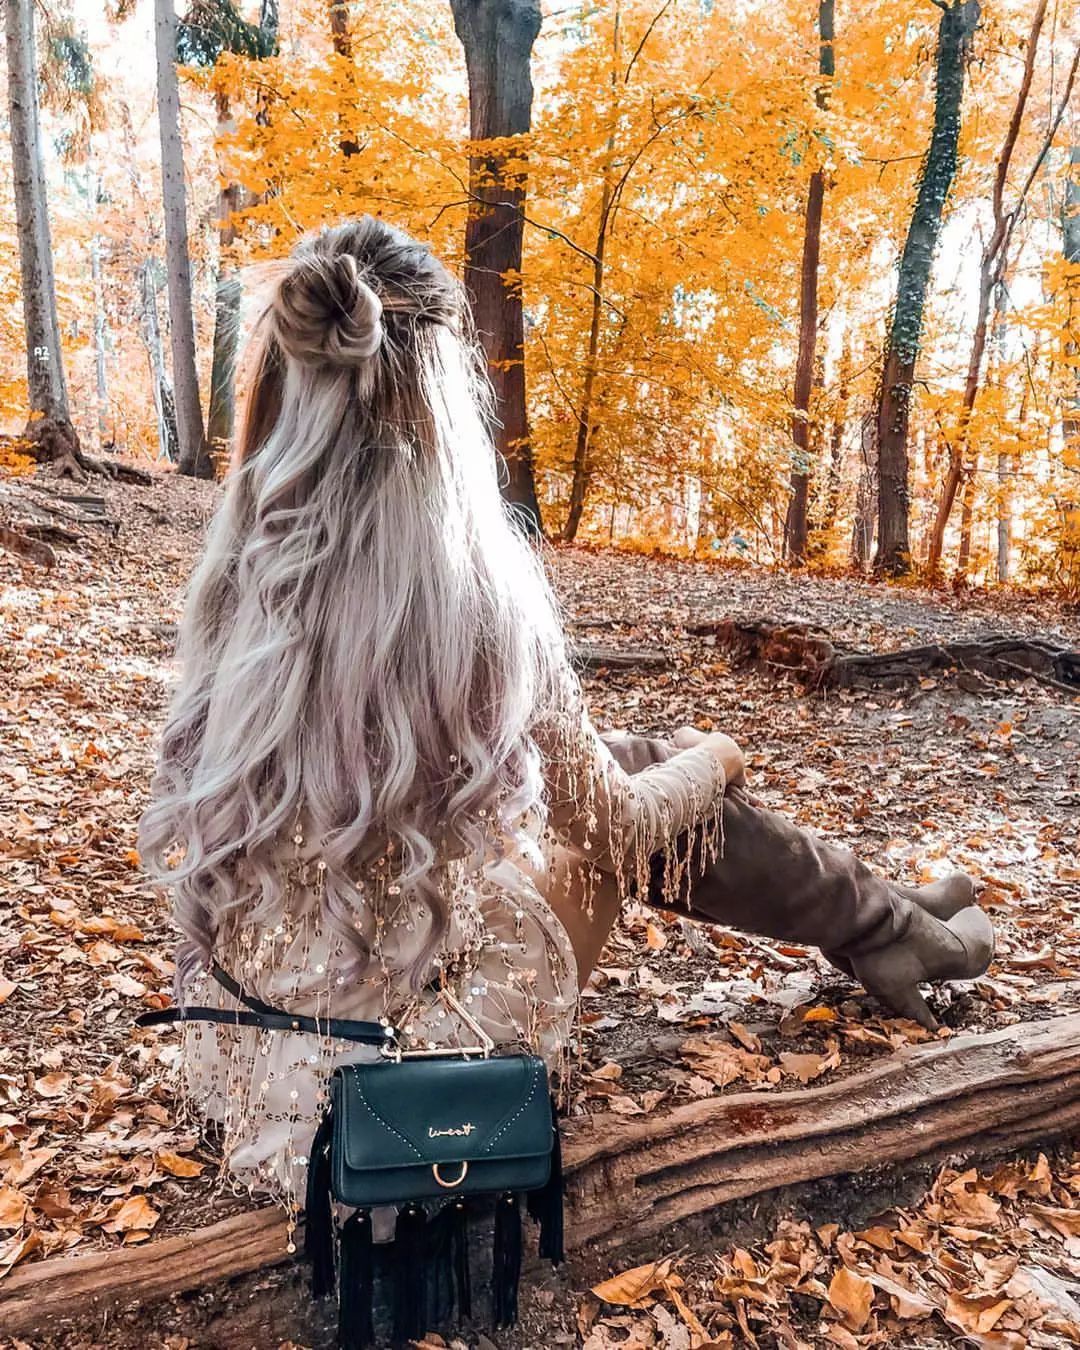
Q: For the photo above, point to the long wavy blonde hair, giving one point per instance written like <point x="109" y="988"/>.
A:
<point x="369" y="637"/>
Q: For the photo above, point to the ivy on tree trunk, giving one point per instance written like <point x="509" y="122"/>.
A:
<point x="957" y="25"/>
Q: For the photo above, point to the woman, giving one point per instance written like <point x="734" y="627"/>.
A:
<point x="378" y="775"/>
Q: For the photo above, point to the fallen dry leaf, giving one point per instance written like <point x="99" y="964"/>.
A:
<point x="632" y="1288"/>
<point x="852" y="1297"/>
<point x="13" y="1205"/>
<point x="177" y="1166"/>
<point x="1063" y="1221"/>
<point x="976" y="1316"/>
<point x="15" y="1249"/>
<point x="804" y="1067"/>
<point x="135" y="1214"/>
<point x="52" y="1084"/>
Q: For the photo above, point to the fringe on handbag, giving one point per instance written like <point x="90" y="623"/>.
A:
<point x="427" y="1132"/>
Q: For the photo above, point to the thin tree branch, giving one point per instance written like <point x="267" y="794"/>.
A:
<point x="648" y="31"/>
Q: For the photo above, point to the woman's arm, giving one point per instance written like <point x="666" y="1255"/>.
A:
<point x="600" y="811"/>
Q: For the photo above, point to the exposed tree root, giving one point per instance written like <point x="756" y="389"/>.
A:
<point x="818" y="662"/>
<point x="54" y="441"/>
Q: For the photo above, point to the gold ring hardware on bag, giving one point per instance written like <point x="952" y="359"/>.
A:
<point x="486" y="1044"/>
<point x="449" y="1185"/>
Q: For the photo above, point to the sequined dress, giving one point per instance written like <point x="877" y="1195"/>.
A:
<point x="506" y="955"/>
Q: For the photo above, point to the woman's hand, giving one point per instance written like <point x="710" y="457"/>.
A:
<point x="722" y="746"/>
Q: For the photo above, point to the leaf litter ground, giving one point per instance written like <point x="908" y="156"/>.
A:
<point x="916" y="782"/>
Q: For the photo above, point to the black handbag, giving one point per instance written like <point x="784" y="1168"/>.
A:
<point x="429" y="1132"/>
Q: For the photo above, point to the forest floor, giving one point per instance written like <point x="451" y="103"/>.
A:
<point x="916" y="781"/>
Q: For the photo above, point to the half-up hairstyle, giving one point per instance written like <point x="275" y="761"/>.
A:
<point x="368" y="639"/>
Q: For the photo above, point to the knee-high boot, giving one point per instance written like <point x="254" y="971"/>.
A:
<point x="778" y="880"/>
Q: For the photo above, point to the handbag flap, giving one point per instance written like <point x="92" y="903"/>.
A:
<point x="423" y="1111"/>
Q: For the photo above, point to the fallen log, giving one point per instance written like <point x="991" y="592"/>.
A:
<point x="592" y="658"/>
<point x="982" y="1093"/>
<point x="48" y="531"/>
<point x="629" y="1179"/>
<point x="61" y="1287"/>
<point x="87" y="510"/>
<point x="820" y="662"/>
<point x="33" y="550"/>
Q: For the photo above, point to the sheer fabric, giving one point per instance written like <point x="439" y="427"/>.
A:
<point x="506" y="955"/>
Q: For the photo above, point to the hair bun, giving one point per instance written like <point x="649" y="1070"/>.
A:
<point x="326" y="314"/>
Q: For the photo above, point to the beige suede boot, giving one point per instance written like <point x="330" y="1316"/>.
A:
<point x="783" y="882"/>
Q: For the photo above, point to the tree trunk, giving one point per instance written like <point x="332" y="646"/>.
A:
<point x="988" y="278"/>
<point x="628" y="1180"/>
<point x="232" y="198"/>
<point x="194" y="453"/>
<point x="498" y="37"/>
<point x="796" y="526"/>
<point x="971" y="467"/>
<point x="341" y="40"/>
<point x="1005" y="470"/>
<point x="45" y="379"/>
<point x="823" y="527"/>
<point x="339" y="29"/>
<point x="866" y="498"/>
<point x="579" y="483"/>
<point x="164" y="403"/>
<point x="1070" y="422"/>
<point x="219" y="429"/>
<point x="1068" y="543"/>
<point x="893" y="558"/>
<point x="967" y="516"/>
<point x="1005" y="223"/>
<point x="100" y="350"/>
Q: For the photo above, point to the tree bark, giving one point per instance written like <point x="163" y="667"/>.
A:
<point x="893" y="558"/>
<point x="164" y="403"/>
<point x="497" y="37"/>
<point x="823" y="527"/>
<point x="100" y="347"/>
<point x="219" y="427"/>
<point x="45" y="378"/>
<point x="1005" y="470"/>
<point x="341" y="41"/>
<point x="797" y="524"/>
<point x="194" y="452"/>
<point x="339" y="31"/>
<point x="866" y="497"/>
<point x="1070" y="421"/>
<point x="971" y="467"/>
<point x="232" y="198"/>
<point x="579" y="482"/>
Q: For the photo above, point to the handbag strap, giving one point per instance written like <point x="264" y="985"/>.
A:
<point x="256" y="1013"/>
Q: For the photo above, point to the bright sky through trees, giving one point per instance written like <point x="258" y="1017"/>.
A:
<point x="677" y="141"/>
